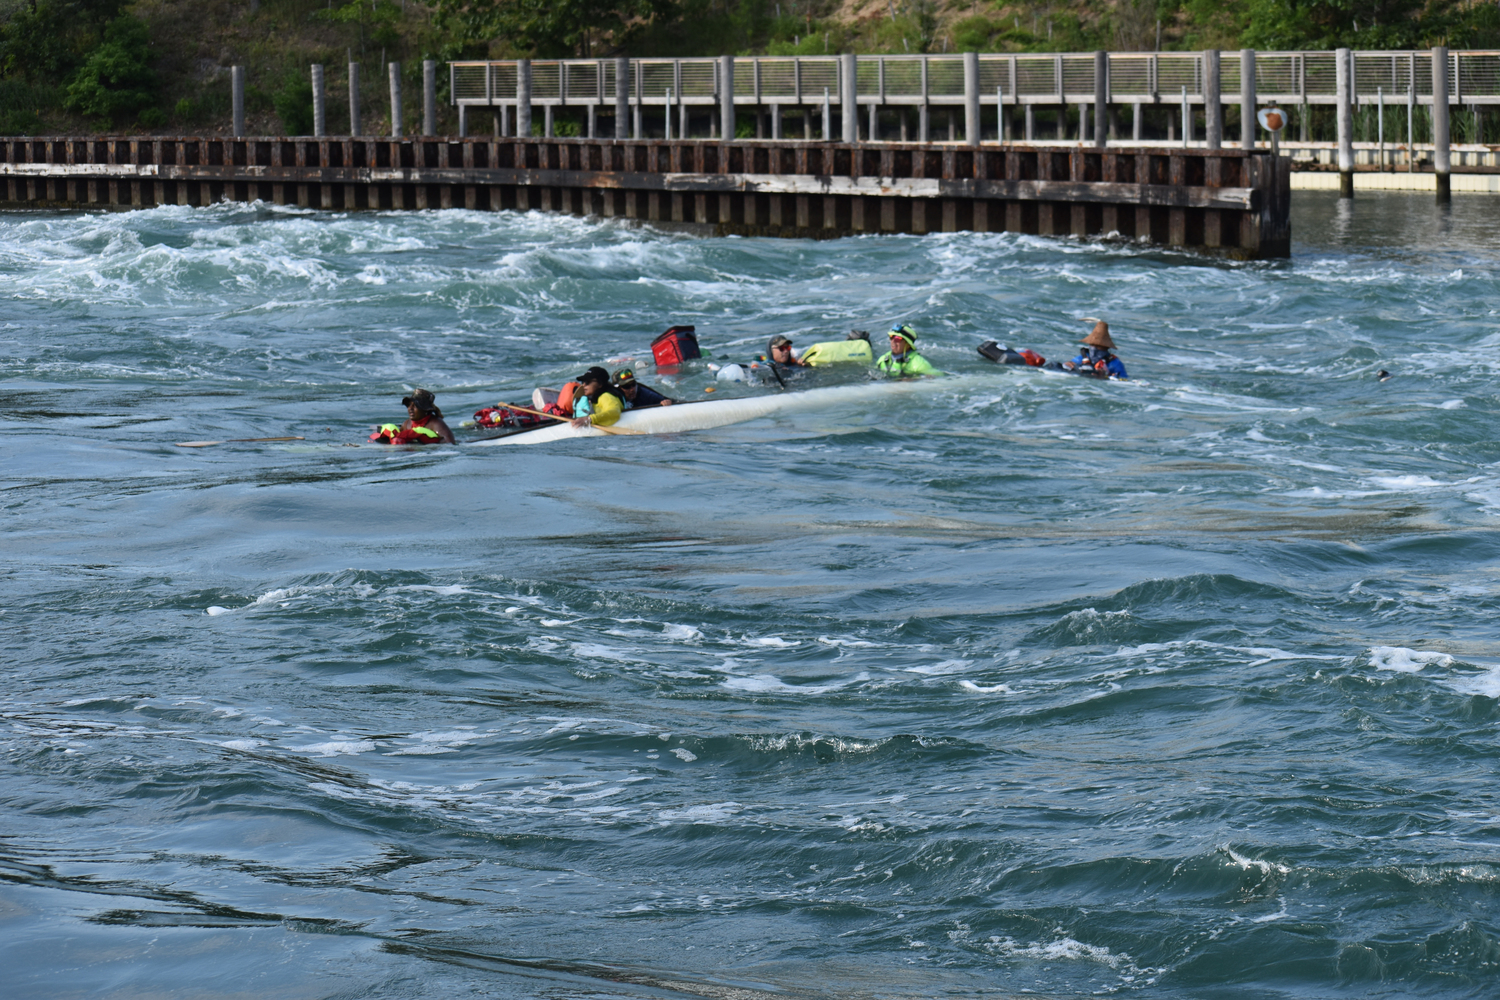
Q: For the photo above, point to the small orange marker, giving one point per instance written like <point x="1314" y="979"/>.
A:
<point x="709" y="389"/>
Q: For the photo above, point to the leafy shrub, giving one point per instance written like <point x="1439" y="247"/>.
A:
<point x="293" y="103"/>
<point x="20" y="121"/>
<point x="117" y="78"/>
<point x="153" y="118"/>
<point x="185" y="109"/>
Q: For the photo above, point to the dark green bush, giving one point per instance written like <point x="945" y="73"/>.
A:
<point x="117" y="78"/>
<point x="293" y="103"/>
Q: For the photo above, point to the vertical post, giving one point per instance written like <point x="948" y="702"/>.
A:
<point x="1411" y="108"/>
<point x="1380" y="127"/>
<point x="1101" y="99"/>
<point x="874" y="130"/>
<point x="429" y="97"/>
<point x="925" y="112"/>
<point x="667" y="116"/>
<point x="622" y="97"/>
<point x="523" y="97"/>
<point x="827" y="117"/>
<point x="1213" y="105"/>
<point x="320" y="121"/>
<point x="1247" y="98"/>
<point x="547" y="120"/>
<point x="1135" y="122"/>
<point x="394" y="72"/>
<point x="463" y="121"/>
<point x="726" y="99"/>
<point x="1001" y="132"/>
<point x="1441" y="163"/>
<point x="355" y="128"/>
<point x="594" y="120"/>
<point x="640" y="100"/>
<point x="1345" y="92"/>
<point x="1031" y="123"/>
<point x="237" y="88"/>
<point x="1187" y="119"/>
<point x="849" y="97"/>
<point x="971" y="98"/>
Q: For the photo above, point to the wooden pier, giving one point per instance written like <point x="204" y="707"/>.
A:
<point x="1227" y="201"/>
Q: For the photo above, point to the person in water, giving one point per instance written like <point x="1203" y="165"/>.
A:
<point x="1097" y="353"/>
<point x="597" y="403"/>
<point x="424" y="424"/>
<point x="635" y="395"/>
<point x="779" y="352"/>
<point x="902" y="360"/>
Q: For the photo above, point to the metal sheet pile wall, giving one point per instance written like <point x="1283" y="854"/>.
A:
<point x="1230" y="201"/>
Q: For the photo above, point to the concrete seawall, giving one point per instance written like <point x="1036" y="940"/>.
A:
<point x="1228" y="201"/>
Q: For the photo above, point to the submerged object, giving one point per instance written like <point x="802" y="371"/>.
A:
<point x="1383" y="375"/>
<point x="703" y="415"/>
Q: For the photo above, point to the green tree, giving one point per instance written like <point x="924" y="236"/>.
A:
<point x="47" y="40"/>
<point x="117" y="78"/>
<point x="293" y="104"/>
<point x="552" y="28"/>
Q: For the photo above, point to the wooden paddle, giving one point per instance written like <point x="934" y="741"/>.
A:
<point x="553" y="416"/>
<point x="205" y="444"/>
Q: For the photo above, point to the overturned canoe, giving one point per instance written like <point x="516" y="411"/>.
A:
<point x="703" y="415"/>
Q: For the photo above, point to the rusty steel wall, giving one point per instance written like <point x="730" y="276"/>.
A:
<point x="1226" y="201"/>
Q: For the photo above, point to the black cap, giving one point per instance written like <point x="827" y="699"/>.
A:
<point x="422" y="400"/>
<point x="594" y="374"/>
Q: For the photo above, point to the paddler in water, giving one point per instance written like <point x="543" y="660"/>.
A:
<point x="424" y="424"/>
<point x="902" y="360"/>
<point x="635" y="395"/>
<point x="597" y="403"/>
<point x="779" y="352"/>
<point x="1096" y="353"/>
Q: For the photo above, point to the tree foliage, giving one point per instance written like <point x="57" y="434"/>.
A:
<point x="47" y="40"/>
<point x="552" y="28"/>
<point x="117" y="78"/>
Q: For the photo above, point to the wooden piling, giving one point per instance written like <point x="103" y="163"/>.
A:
<point x="1227" y="201"/>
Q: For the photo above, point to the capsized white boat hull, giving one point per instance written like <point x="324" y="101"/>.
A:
<point x="719" y="412"/>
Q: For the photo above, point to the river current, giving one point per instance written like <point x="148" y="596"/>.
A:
<point x="1184" y="687"/>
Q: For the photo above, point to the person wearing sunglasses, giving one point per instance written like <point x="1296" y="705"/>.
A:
<point x="779" y="352"/>
<point x="902" y="360"/>
<point x="637" y="396"/>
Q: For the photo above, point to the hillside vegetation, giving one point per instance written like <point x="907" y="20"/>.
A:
<point x="92" y="66"/>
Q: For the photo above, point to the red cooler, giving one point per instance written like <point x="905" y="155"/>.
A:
<point x="677" y="345"/>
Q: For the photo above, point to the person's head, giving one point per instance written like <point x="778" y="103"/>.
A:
<point x="594" y="381"/>
<point x="903" y="339"/>
<point x="626" y="383"/>
<point x="421" y="403"/>
<point x="780" y="348"/>
<point x="1099" y="337"/>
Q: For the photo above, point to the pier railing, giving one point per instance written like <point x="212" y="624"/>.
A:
<point x="1291" y="78"/>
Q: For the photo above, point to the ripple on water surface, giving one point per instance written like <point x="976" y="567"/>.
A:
<point x="1181" y="687"/>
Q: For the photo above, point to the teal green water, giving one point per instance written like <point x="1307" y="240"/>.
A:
<point x="1182" y="688"/>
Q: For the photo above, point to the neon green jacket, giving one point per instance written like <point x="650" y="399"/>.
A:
<point x="911" y="364"/>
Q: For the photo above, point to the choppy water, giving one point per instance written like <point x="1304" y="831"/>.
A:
<point x="1185" y="688"/>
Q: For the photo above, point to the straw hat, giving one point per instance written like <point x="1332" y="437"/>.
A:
<point x="1100" y="337"/>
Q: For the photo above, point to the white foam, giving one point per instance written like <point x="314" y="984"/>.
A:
<point x="338" y="748"/>
<point x="683" y="754"/>
<point x="764" y="683"/>
<point x="1406" y="661"/>
<point x="242" y="744"/>
<point x="215" y="610"/>
<point x="713" y="813"/>
<point x="981" y="689"/>
<point x="1406" y="482"/>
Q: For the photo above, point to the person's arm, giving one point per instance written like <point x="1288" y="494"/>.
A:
<point x="647" y="396"/>
<point x="444" y="434"/>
